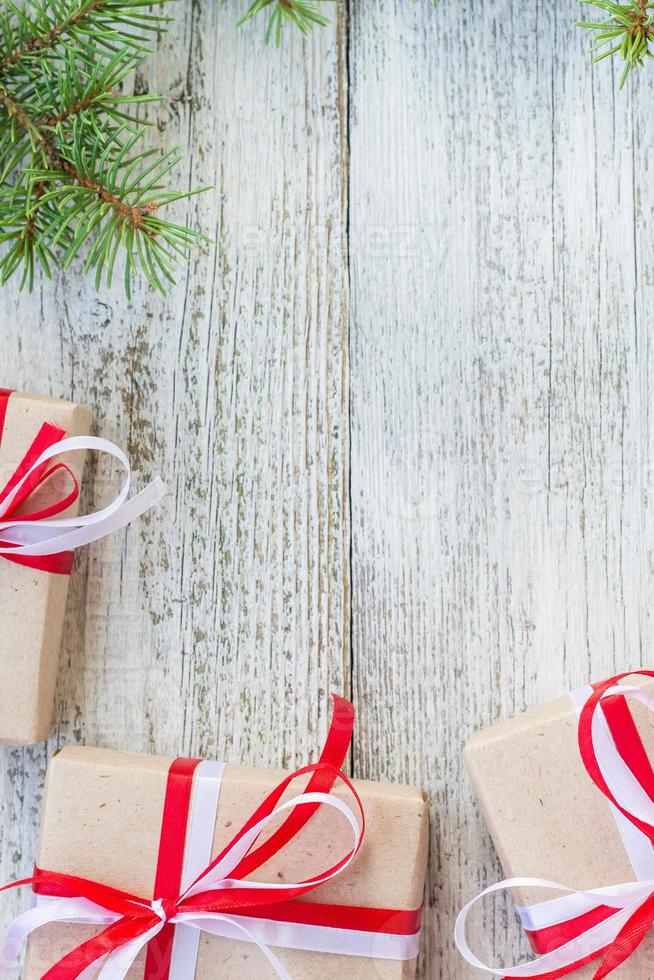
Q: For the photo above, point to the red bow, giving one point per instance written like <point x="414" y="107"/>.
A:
<point x="18" y="509"/>
<point x="137" y="915"/>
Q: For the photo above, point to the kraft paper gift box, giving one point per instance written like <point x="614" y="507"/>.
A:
<point x="32" y="601"/>
<point x="103" y="820"/>
<point x="546" y="816"/>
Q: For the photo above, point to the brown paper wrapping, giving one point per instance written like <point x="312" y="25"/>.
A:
<point x="32" y="602"/>
<point x="545" y="815"/>
<point x="102" y="820"/>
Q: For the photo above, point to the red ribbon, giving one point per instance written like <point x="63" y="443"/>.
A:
<point x="630" y="747"/>
<point x="47" y="436"/>
<point x="5" y="395"/>
<point x="137" y="916"/>
<point x="170" y="864"/>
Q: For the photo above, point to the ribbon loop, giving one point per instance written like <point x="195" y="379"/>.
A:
<point x="629" y="789"/>
<point x="224" y="874"/>
<point x="43" y="541"/>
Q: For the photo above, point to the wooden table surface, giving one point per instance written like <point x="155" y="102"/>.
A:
<point x="403" y="409"/>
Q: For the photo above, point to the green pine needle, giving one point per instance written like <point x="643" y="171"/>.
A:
<point x="303" y="14"/>
<point x="74" y="182"/>
<point x="627" y="31"/>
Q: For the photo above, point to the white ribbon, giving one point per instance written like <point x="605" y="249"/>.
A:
<point x="624" y="898"/>
<point x="54" y="535"/>
<point x="200" y="832"/>
<point x="116" y="964"/>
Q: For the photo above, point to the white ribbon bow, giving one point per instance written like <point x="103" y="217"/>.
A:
<point x="54" y="535"/>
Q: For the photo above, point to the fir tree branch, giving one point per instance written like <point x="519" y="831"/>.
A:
<point x="88" y="102"/>
<point x="71" y="174"/>
<point x="628" y="31"/>
<point x="58" y="165"/>
<point x="16" y="113"/>
<point x="88" y="86"/>
<point x="22" y="228"/>
<point x="303" y="14"/>
<point x="46" y="38"/>
<point x="104" y="21"/>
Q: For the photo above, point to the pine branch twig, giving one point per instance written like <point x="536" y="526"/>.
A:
<point x="303" y="14"/>
<point x="627" y="31"/>
<point x="72" y="177"/>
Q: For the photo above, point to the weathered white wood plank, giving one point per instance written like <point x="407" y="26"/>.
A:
<point x="500" y="386"/>
<point x="219" y="625"/>
<point x="501" y="456"/>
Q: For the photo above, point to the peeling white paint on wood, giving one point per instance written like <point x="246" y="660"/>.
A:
<point x="484" y="190"/>
<point x="500" y="384"/>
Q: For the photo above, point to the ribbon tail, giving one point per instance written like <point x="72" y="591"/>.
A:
<point x="74" y="964"/>
<point x="62" y="539"/>
<point x="628" y="939"/>
<point x="13" y="941"/>
<point x="117" y="964"/>
<point x="15" y="936"/>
